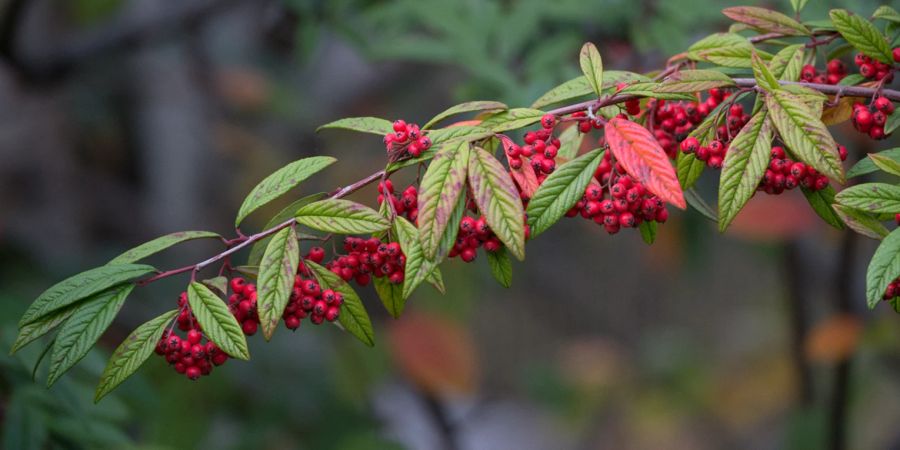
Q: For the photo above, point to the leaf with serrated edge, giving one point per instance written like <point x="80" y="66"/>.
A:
<point x="821" y="202"/>
<point x="804" y="134"/>
<point x="81" y="331"/>
<point x="866" y="166"/>
<point x="861" y="222"/>
<point x="693" y="81"/>
<point x="372" y="125"/>
<point x="441" y="187"/>
<point x="560" y="191"/>
<point x="592" y="66"/>
<point x="501" y="267"/>
<point x="871" y="197"/>
<point x="159" y="244"/>
<point x="512" y="119"/>
<point x="862" y="34"/>
<point x="259" y="247"/>
<point x="32" y="331"/>
<point x="341" y="216"/>
<point x="217" y="322"/>
<point x="353" y="317"/>
<point x="132" y="352"/>
<point x="766" y="20"/>
<point x="464" y="108"/>
<point x="497" y="198"/>
<point x="277" y="271"/>
<point x="745" y="164"/>
<point x="280" y="182"/>
<point x="884" y="268"/>
<point x="78" y="287"/>
<point x="644" y="159"/>
<point x="787" y="63"/>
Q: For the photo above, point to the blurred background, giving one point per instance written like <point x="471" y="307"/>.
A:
<point x="122" y="120"/>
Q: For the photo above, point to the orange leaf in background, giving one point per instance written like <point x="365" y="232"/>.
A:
<point x="523" y="176"/>
<point x="774" y="218"/>
<point x="434" y="353"/>
<point x="644" y="159"/>
<point x="834" y="339"/>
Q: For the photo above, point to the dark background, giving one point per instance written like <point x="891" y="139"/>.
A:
<point x="121" y="120"/>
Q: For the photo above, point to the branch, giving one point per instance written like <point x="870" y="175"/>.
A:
<point x="830" y="89"/>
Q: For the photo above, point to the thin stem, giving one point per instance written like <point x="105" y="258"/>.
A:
<point x="830" y="89"/>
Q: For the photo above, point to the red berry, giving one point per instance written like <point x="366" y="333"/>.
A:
<point x="249" y="327"/>
<point x="690" y="145"/>
<point x="194" y="337"/>
<point x="896" y="54"/>
<point x="548" y="121"/>
<point x="193" y="372"/>
<point x="884" y="105"/>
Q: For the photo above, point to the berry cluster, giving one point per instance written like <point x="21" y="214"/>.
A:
<point x="871" y="119"/>
<point x="366" y="258"/>
<point x="618" y="201"/>
<point x="194" y="355"/>
<point x="405" y="204"/>
<point x="874" y="69"/>
<point x="474" y="233"/>
<point x="714" y="153"/>
<point x="674" y="120"/>
<point x="540" y="149"/>
<point x="785" y="174"/>
<point x="407" y="139"/>
<point x="835" y="71"/>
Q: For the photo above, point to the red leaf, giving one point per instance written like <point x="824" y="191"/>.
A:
<point x="523" y="176"/>
<point x="644" y="159"/>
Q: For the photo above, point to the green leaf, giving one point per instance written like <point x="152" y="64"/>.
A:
<point x="798" y="5"/>
<point x="132" y="352"/>
<point x="745" y="164"/>
<point x="852" y="80"/>
<point x="862" y="34"/>
<point x="256" y="251"/>
<point x="277" y="271"/>
<point x="725" y="49"/>
<point x="466" y="133"/>
<point x="574" y="88"/>
<point x="439" y="193"/>
<point x="28" y="333"/>
<point x="218" y="284"/>
<point x="497" y="198"/>
<point x="80" y="286"/>
<point x="84" y="328"/>
<point x="372" y="125"/>
<point x="159" y="244"/>
<point x="766" y="20"/>
<point x="893" y="122"/>
<point x="883" y="268"/>
<point x="861" y="222"/>
<point x="418" y="267"/>
<point x="688" y="169"/>
<point x="787" y="63"/>
<point x="217" y="322"/>
<point x="696" y="201"/>
<point x="501" y="266"/>
<point x="821" y="202"/>
<point x="866" y="166"/>
<point x="280" y="182"/>
<point x="592" y="67"/>
<point x="391" y="295"/>
<point x="342" y="217"/>
<point x="464" y="108"/>
<point x="648" y="231"/>
<point x="871" y="197"/>
<point x="436" y="280"/>
<point x="354" y="317"/>
<point x="570" y="142"/>
<point x="650" y="89"/>
<point x="694" y="81"/>
<point x="887" y="13"/>
<point x="804" y="133"/>
<point x="560" y="191"/>
<point x="885" y="163"/>
<point x="512" y="119"/>
<point x="763" y="75"/>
